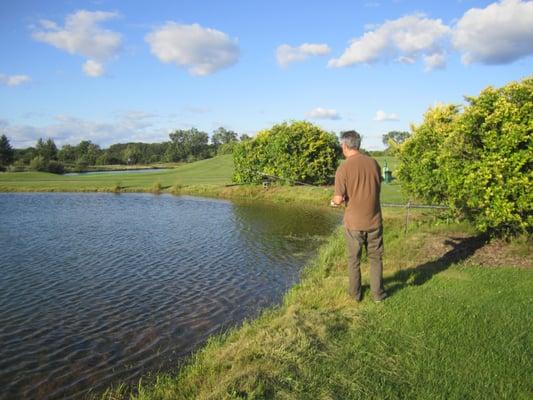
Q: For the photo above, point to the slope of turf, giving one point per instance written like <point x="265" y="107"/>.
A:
<point x="205" y="177"/>
<point x="214" y="171"/>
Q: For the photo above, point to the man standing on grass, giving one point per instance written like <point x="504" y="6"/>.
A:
<point x="358" y="184"/>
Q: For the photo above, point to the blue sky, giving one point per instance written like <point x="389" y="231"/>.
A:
<point x="116" y="71"/>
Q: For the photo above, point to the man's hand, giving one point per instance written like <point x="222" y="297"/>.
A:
<point x="336" y="201"/>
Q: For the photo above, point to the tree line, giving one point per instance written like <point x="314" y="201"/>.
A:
<point x="185" y="145"/>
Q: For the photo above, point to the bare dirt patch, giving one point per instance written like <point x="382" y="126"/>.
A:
<point x="479" y="250"/>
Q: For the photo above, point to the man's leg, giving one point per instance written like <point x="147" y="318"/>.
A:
<point x="354" y="244"/>
<point x="375" y="258"/>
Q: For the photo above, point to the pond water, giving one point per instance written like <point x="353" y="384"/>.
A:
<point x="126" y="171"/>
<point x="101" y="288"/>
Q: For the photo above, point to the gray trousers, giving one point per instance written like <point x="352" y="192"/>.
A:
<point x="373" y="241"/>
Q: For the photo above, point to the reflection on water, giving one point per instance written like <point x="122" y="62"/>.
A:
<point x="98" y="288"/>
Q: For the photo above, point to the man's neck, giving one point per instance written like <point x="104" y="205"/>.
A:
<point x="350" y="153"/>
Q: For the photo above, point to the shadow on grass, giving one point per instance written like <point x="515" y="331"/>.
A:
<point x="462" y="248"/>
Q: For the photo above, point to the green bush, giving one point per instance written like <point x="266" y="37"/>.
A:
<point x="478" y="161"/>
<point x="294" y="152"/>
<point x="226" y="148"/>
<point x="39" y="163"/>
<point x="420" y="155"/>
<point x="55" y="167"/>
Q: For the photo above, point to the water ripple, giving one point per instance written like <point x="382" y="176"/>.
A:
<point x="98" y="288"/>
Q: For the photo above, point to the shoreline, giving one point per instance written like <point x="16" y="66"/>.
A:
<point x="307" y="345"/>
<point x="287" y="350"/>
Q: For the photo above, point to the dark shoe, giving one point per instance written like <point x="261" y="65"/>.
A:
<point x="357" y="298"/>
<point x="380" y="299"/>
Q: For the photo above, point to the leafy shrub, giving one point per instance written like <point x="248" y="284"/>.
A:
<point x="55" y="167"/>
<point x="478" y="161"/>
<point x="39" y="163"/>
<point x="420" y="156"/>
<point x="226" y="148"/>
<point x="296" y="151"/>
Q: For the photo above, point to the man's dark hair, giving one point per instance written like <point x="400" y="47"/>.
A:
<point x="351" y="139"/>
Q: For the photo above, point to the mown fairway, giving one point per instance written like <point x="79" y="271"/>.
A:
<point x="215" y="171"/>
<point x="204" y="175"/>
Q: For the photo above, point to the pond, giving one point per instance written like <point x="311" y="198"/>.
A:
<point x="102" y="288"/>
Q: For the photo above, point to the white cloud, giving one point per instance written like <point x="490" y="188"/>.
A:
<point x="323" y="113"/>
<point x="406" y="60"/>
<point x="202" y="51"/>
<point x="82" y="35"/>
<point x="435" y="61"/>
<point x="93" y="68"/>
<point x="382" y="116"/>
<point x="14" y="80"/>
<point x="405" y="38"/>
<point x="286" y="54"/>
<point x="498" y="34"/>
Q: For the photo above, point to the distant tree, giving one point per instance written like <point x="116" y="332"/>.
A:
<point x="24" y="156"/>
<point x="244" y="137"/>
<point x="397" y="137"/>
<point x="133" y="153"/>
<point x="6" y="151"/>
<point x="38" y="163"/>
<point x="46" y="149"/>
<point x="87" y="153"/>
<point x="223" y="136"/>
<point x="187" y="145"/>
<point x="68" y="154"/>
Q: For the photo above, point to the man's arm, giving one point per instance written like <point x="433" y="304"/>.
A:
<point x="340" y="189"/>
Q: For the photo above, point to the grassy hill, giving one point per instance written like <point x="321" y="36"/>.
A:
<point x="205" y="177"/>
<point x="214" y="171"/>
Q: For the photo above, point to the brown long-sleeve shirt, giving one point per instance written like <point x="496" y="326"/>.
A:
<point x="358" y="180"/>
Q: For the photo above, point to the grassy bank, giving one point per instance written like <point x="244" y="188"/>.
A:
<point x="456" y="325"/>
<point x="216" y="171"/>
<point x="204" y="178"/>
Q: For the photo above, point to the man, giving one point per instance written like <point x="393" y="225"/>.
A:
<point x="358" y="184"/>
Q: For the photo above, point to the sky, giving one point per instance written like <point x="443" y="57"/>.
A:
<point x="116" y="71"/>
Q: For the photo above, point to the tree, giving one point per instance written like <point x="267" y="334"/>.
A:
<point x="6" y="151"/>
<point x="133" y="153"/>
<point x="223" y="136"/>
<point x="87" y="153"/>
<point x="187" y="145"/>
<point x="47" y="150"/>
<point x="397" y="137"/>
<point x="68" y="154"/>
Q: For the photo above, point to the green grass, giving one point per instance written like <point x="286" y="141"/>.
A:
<point x="448" y="331"/>
<point x="205" y="178"/>
<point x="215" y="171"/>
<point x="392" y="162"/>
